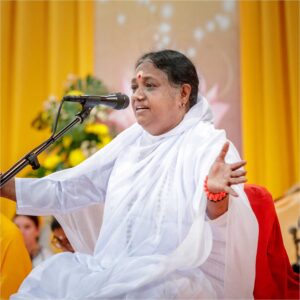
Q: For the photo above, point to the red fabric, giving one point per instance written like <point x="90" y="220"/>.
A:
<point x="275" y="278"/>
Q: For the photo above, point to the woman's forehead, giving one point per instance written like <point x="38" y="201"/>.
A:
<point x="23" y="218"/>
<point x="25" y="222"/>
<point x="148" y="70"/>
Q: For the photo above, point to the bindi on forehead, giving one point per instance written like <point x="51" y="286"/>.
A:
<point x="139" y="75"/>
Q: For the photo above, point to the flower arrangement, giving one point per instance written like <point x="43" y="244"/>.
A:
<point x="83" y="139"/>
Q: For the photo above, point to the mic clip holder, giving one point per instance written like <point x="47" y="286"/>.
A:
<point x="31" y="157"/>
<point x="33" y="161"/>
<point x="86" y="109"/>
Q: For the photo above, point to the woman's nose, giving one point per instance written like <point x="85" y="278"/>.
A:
<point x="139" y="94"/>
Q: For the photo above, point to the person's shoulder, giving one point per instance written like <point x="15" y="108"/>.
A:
<point x="204" y="135"/>
<point x="8" y="230"/>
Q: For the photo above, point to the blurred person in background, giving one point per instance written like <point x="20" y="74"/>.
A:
<point x="59" y="239"/>
<point x="30" y="229"/>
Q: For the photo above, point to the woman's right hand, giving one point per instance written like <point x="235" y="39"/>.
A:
<point x="8" y="190"/>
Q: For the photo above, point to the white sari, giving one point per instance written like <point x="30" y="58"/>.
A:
<point x="154" y="236"/>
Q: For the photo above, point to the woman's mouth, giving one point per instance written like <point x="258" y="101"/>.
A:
<point x="141" y="108"/>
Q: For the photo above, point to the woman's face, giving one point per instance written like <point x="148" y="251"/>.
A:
<point x="28" y="229"/>
<point x="157" y="105"/>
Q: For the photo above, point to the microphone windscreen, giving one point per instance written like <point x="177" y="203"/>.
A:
<point x="123" y="101"/>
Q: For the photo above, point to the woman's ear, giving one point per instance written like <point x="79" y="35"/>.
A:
<point x="186" y="90"/>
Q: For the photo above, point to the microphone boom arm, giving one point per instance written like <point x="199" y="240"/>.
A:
<point x="31" y="157"/>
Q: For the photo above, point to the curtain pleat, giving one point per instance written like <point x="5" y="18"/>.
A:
<point x="42" y="42"/>
<point x="269" y="42"/>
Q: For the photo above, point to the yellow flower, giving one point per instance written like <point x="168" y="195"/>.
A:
<point x="44" y="116"/>
<point x="52" y="161"/>
<point x="76" y="157"/>
<point x="99" y="129"/>
<point x="104" y="141"/>
<point x="75" y="93"/>
<point x="66" y="141"/>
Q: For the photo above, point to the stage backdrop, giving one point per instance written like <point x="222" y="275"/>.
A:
<point x="206" y="31"/>
<point x="44" y="41"/>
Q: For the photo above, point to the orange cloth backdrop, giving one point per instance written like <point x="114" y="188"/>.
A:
<point x="269" y="39"/>
<point x="41" y="43"/>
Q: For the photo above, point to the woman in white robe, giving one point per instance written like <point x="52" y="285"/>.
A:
<point x="160" y="238"/>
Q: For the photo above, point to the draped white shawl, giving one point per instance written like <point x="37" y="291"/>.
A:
<point x="154" y="235"/>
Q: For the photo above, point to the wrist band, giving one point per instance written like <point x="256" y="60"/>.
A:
<point x="215" y="197"/>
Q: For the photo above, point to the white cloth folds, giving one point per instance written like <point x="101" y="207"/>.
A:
<point x="154" y="236"/>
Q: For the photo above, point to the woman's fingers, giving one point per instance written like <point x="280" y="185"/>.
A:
<point x="237" y="165"/>
<point x="238" y="180"/>
<point x="223" y="152"/>
<point x="230" y="191"/>
<point x="238" y="173"/>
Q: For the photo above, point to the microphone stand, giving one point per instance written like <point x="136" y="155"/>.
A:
<point x="31" y="157"/>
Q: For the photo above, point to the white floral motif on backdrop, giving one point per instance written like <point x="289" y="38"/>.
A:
<point x="192" y="27"/>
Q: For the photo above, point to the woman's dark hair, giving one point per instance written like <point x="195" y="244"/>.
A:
<point x="55" y="224"/>
<point x="178" y="68"/>
<point x="34" y="219"/>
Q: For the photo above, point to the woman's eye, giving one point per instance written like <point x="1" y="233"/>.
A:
<point x="134" y="88"/>
<point x="149" y="85"/>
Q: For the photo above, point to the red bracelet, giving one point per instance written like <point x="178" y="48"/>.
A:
<point x="215" y="197"/>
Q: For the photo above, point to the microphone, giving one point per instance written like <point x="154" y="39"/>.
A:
<point x="115" y="101"/>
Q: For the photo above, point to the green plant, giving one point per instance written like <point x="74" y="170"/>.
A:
<point x="82" y="140"/>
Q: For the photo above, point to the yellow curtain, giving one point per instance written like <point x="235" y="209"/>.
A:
<point x="269" y="37"/>
<point x="41" y="43"/>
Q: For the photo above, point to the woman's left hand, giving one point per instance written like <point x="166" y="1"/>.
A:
<point x="222" y="175"/>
